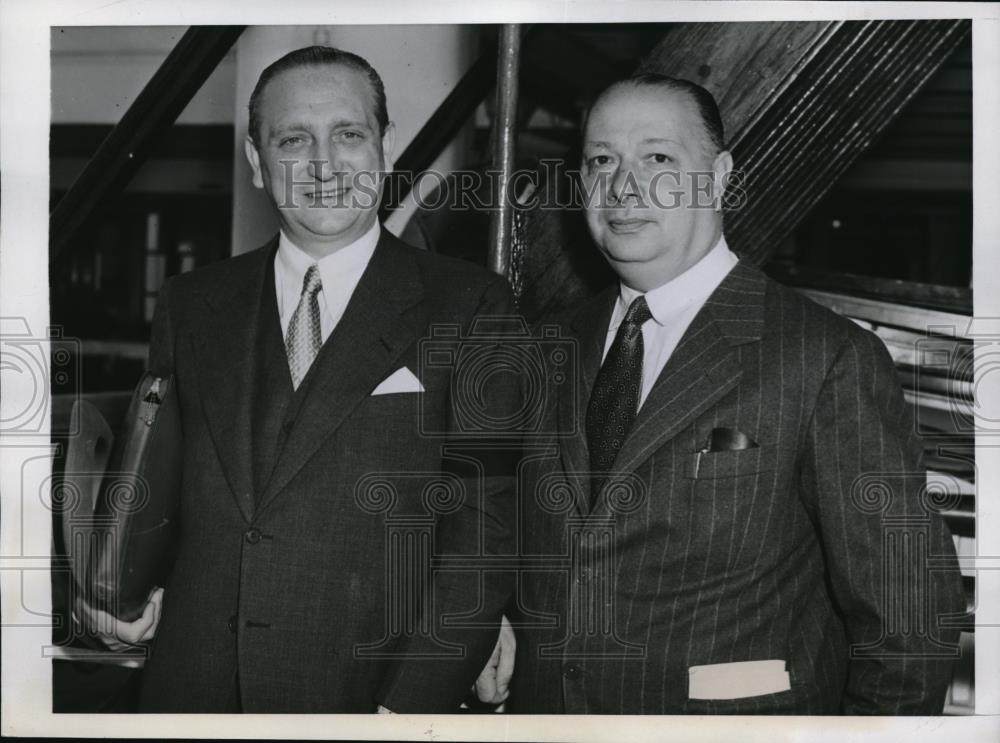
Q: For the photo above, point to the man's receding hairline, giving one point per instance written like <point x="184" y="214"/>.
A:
<point x="661" y="90"/>
<point x="321" y="65"/>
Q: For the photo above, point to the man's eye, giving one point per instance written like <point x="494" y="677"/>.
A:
<point x="290" y="142"/>
<point x="352" y="136"/>
<point x="659" y="157"/>
<point x="598" y="160"/>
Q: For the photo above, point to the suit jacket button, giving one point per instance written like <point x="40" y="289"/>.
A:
<point x="252" y="536"/>
<point x="232" y="623"/>
<point x="571" y="670"/>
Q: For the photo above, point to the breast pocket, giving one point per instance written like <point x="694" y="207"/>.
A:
<point x="404" y="406"/>
<point x="395" y="404"/>
<point x="726" y="464"/>
<point x="731" y="494"/>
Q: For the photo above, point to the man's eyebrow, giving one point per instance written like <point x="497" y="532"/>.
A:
<point x="284" y="127"/>
<point x="359" y="123"/>
<point x="290" y="126"/>
<point x="648" y="140"/>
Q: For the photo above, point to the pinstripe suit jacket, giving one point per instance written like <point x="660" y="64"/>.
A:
<point x="816" y="547"/>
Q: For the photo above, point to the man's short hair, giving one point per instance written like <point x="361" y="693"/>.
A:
<point x="318" y="56"/>
<point x="704" y="101"/>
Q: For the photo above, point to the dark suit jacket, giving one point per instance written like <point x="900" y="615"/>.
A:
<point x="816" y="547"/>
<point x="285" y="595"/>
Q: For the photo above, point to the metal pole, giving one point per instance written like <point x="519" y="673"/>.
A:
<point x="505" y="131"/>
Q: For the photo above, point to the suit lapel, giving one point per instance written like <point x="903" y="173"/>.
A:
<point x="701" y="370"/>
<point x="273" y="392"/>
<point x="225" y="343"/>
<point x="383" y="317"/>
<point x="590" y="328"/>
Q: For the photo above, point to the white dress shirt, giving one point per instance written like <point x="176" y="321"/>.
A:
<point x="339" y="272"/>
<point x="673" y="306"/>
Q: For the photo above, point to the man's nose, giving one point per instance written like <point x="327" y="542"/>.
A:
<point x="323" y="164"/>
<point x="623" y="186"/>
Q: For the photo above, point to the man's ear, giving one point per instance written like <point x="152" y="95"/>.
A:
<point x="721" y="168"/>
<point x="253" y="157"/>
<point x="388" y="145"/>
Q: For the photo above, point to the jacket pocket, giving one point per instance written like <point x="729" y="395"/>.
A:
<point x="719" y="464"/>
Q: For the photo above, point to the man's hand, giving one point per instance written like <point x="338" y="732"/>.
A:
<point x="115" y="633"/>
<point x="493" y="684"/>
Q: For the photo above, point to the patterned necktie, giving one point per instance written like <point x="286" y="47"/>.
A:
<point x="615" y="399"/>
<point x="304" y="332"/>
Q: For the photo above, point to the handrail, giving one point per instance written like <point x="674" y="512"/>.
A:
<point x="442" y="125"/>
<point x="505" y="128"/>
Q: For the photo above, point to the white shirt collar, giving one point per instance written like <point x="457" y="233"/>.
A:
<point x="344" y="264"/>
<point x="692" y="287"/>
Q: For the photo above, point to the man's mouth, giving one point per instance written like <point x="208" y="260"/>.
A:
<point x="626" y="226"/>
<point x="328" y="194"/>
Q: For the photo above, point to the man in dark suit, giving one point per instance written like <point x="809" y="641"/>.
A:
<point x="735" y="521"/>
<point x="313" y="437"/>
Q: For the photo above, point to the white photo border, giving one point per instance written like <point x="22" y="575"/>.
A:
<point x="25" y="527"/>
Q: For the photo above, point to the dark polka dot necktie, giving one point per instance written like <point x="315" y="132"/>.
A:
<point x="615" y="398"/>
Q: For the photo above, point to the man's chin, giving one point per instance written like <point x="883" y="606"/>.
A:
<point x="344" y="230"/>
<point x="619" y="250"/>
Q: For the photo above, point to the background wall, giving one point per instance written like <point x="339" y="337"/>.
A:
<point x="98" y="71"/>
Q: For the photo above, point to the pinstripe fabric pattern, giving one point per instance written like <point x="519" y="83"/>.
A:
<point x="786" y="551"/>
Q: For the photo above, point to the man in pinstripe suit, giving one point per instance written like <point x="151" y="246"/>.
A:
<point x="734" y="518"/>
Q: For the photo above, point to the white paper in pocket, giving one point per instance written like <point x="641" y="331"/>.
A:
<point x="738" y="680"/>
<point x="401" y="380"/>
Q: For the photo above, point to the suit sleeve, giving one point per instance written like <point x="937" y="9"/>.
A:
<point x="467" y="605"/>
<point x="890" y="558"/>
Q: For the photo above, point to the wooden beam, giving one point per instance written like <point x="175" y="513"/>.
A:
<point x="895" y="315"/>
<point x="827" y="115"/>
<point x="748" y="67"/>
<point x="954" y="299"/>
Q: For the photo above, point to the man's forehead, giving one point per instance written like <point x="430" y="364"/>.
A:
<point x="645" y="112"/>
<point x="317" y="87"/>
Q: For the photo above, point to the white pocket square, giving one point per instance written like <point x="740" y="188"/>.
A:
<point x="737" y="680"/>
<point x="401" y="380"/>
